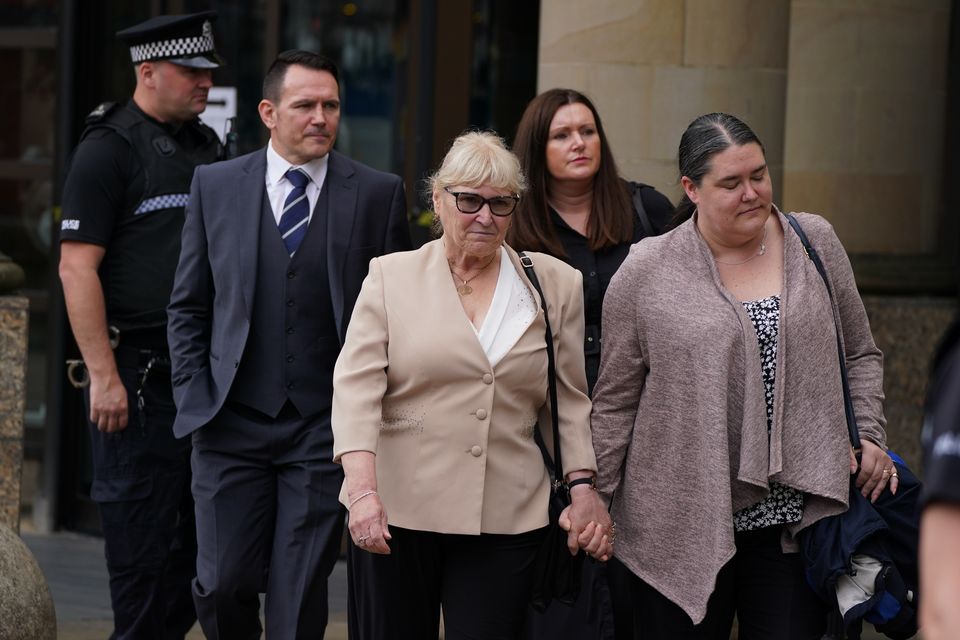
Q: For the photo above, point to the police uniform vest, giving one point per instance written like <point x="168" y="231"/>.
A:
<point x="292" y="344"/>
<point x="167" y="164"/>
<point x="140" y="262"/>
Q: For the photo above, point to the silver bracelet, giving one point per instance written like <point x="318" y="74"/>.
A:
<point x="369" y="492"/>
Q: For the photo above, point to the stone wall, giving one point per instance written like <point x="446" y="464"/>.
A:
<point x="865" y="119"/>
<point x="13" y="353"/>
<point x="908" y="331"/>
<point x="849" y="97"/>
<point x="652" y="66"/>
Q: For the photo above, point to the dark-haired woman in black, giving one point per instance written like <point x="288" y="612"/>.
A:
<point x="580" y="210"/>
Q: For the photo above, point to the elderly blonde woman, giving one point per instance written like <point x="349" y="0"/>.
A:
<point x="437" y="393"/>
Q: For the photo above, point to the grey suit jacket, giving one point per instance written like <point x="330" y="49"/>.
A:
<point x="210" y="307"/>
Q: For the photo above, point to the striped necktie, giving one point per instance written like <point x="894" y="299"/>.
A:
<point x="296" y="211"/>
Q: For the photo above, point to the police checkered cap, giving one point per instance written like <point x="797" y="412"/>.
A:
<point x="182" y="39"/>
<point x="178" y="48"/>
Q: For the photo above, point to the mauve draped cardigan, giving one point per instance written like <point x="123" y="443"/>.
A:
<point x="679" y="416"/>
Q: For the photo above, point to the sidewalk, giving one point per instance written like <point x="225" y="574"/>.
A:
<point x="74" y="567"/>
<point x="76" y="573"/>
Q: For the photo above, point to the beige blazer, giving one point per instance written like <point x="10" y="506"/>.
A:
<point x="453" y="436"/>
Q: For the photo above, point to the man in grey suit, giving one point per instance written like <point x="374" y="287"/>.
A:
<point x="275" y="247"/>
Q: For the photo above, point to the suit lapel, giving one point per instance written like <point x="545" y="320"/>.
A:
<point x="246" y="208"/>
<point x="341" y="213"/>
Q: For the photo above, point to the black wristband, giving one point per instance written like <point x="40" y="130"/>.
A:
<point x="591" y="480"/>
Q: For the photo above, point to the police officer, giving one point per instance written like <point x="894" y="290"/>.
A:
<point x="123" y="209"/>
<point x="940" y="525"/>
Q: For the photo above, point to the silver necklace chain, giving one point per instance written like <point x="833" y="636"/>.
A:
<point x="760" y="251"/>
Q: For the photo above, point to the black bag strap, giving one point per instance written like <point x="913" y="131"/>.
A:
<point x="557" y="464"/>
<point x="852" y="429"/>
<point x="645" y="224"/>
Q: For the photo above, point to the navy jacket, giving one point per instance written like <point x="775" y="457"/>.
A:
<point x="210" y="307"/>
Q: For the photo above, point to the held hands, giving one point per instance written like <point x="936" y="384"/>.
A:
<point x="588" y="524"/>
<point x="876" y="470"/>
<point x="368" y="522"/>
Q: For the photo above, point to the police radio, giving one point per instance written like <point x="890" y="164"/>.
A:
<point x="230" y="139"/>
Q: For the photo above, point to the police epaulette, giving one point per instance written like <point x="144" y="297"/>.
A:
<point x="100" y="112"/>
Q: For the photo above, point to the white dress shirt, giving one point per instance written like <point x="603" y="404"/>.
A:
<point x="278" y="187"/>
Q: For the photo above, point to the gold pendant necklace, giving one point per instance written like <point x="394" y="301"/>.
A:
<point x="464" y="288"/>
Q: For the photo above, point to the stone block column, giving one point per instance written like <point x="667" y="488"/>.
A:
<point x="652" y="66"/>
<point x="13" y="363"/>
<point x="867" y="120"/>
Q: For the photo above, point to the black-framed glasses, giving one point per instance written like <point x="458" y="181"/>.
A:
<point x="472" y="202"/>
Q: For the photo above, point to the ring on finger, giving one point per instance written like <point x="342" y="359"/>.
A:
<point x="362" y="539"/>
<point x="886" y="471"/>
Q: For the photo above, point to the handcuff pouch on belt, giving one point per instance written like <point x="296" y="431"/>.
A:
<point x="77" y="374"/>
<point x="144" y="360"/>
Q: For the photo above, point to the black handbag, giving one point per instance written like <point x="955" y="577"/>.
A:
<point x="885" y="532"/>
<point x="556" y="573"/>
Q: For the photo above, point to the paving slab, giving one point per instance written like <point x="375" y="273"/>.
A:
<point x="76" y="573"/>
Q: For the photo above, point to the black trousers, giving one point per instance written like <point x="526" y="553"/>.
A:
<point x="141" y="485"/>
<point x="764" y="587"/>
<point x="590" y="617"/>
<point x="268" y="521"/>
<point x="482" y="583"/>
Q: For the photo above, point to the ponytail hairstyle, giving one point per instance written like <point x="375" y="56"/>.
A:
<point x="707" y="136"/>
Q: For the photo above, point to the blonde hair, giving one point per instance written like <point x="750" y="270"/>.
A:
<point x="476" y="159"/>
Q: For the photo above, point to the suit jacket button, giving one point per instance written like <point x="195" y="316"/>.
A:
<point x="289" y="385"/>
<point x="475" y="451"/>
<point x="291" y="274"/>
<point x="289" y="358"/>
<point x="487" y="378"/>
<point x="481" y="414"/>
<point x="289" y="330"/>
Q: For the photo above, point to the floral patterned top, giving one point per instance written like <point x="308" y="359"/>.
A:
<point x="783" y="504"/>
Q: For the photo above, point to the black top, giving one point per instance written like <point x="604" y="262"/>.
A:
<point x="598" y="267"/>
<point x="941" y="429"/>
<point x="104" y="204"/>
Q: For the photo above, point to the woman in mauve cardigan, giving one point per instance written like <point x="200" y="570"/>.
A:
<point x="718" y="418"/>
